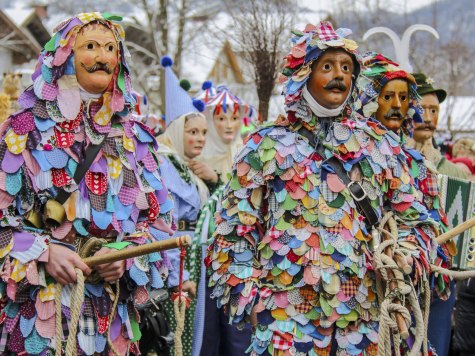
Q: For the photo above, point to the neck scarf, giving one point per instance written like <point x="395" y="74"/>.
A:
<point x="318" y="109"/>
<point x="86" y="96"/>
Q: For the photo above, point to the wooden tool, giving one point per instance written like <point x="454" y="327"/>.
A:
<point x="131" y="252"/>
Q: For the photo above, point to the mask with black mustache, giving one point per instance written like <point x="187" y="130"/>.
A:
<point x="425" y="126"/>
<point x="392" y="113"/>
<point x="335" y="84"/>
<point x="97" y="67"/>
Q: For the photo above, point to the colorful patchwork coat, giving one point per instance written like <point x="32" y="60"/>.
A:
<point x="121" y="198"/>
<point x="291" y="245"/>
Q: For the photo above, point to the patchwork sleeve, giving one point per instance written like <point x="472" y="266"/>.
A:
<point x="232" y="261"/>
<point x="152" y="216"/>
<point x="418" y="225"/>
<point x="21" y="244"/>
<point x="427" y="185"/>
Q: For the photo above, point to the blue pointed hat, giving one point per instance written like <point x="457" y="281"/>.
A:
<point x="177" y="100"/>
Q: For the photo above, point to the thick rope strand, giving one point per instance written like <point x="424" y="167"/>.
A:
<point x="77" y="298"/>
<point x="58" y="289"/>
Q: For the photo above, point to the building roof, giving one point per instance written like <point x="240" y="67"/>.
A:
<point x="25" y="45"/>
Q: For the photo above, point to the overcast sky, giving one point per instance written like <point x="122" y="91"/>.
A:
<point x="324" y="5"/>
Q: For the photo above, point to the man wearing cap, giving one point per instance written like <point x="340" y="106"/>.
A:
<point x="440" y="318"/>
<point x="293" y="246"/>
<point x="431" y="99"/>
<point x="75" y="168"/>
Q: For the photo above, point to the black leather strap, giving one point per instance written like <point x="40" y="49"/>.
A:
<point x="357" y="191"/>
<point x="184" y="225"/>
<point x="91" y="154"/>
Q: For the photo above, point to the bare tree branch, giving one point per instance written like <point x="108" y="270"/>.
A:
<point x="259" y="28"/>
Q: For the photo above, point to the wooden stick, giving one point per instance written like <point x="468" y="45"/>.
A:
<point x="119" y="255"/>
<point x="456" y="231"/>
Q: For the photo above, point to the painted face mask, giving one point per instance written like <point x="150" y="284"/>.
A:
<point x="86" y="51"/>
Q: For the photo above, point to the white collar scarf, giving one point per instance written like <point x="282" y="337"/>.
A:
<point x="86" y="96"/>
<point x="319" y="110"/>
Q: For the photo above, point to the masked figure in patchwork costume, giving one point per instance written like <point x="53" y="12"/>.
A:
<point x="292" y="250"/>
<point x="81" y="96"/>
<point x="390" y="95"/>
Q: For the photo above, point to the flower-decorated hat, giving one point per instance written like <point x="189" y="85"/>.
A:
<point x="424" y="86"/>
<point x="177" y="100"/>
<point x="308" y="46"/>
<point x="54" y="80"/>
<point x="379" y="70"/>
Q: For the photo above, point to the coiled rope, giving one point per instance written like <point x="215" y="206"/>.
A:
<point x="397" y="295"/>
<point x="77" y="298"/>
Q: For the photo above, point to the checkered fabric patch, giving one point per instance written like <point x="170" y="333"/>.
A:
<point x="282" y="341"/>
<point x="129" y="178"/>
<point x="432" y="186"/>
<point x="274" y="233"/>
<point x="6" y="236"/>
<point x="303" y="308"/>
<point x="325" y="32"/>
<point x="3" y="149"/>
<point x="350" y="286"/>
<point x="87" y="325"/>
<point x="308" y="293"/>
<point x="223" y="243"/>
<point x="244" y="229"/>
<point x="98" y="202"/>
<point x="109" y="147"/>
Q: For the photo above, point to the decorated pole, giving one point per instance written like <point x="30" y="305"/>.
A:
<point x="126" y="253"/>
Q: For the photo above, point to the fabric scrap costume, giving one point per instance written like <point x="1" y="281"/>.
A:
<point x="121" y="198"/>
<point x="291" y="246"/>
<point x="379" y="71"/>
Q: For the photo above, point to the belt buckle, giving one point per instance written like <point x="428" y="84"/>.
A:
<point x="181" y="225"/>
<point x="358" y="199"/>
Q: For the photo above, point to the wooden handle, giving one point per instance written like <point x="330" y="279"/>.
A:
<point x="131" y="252"/>
<point x="456" y="231"/>
<point x="401" y="323"/>
<point x="402" y="263"/>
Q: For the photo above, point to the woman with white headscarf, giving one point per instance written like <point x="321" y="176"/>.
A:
<point x="183" y="141"/>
